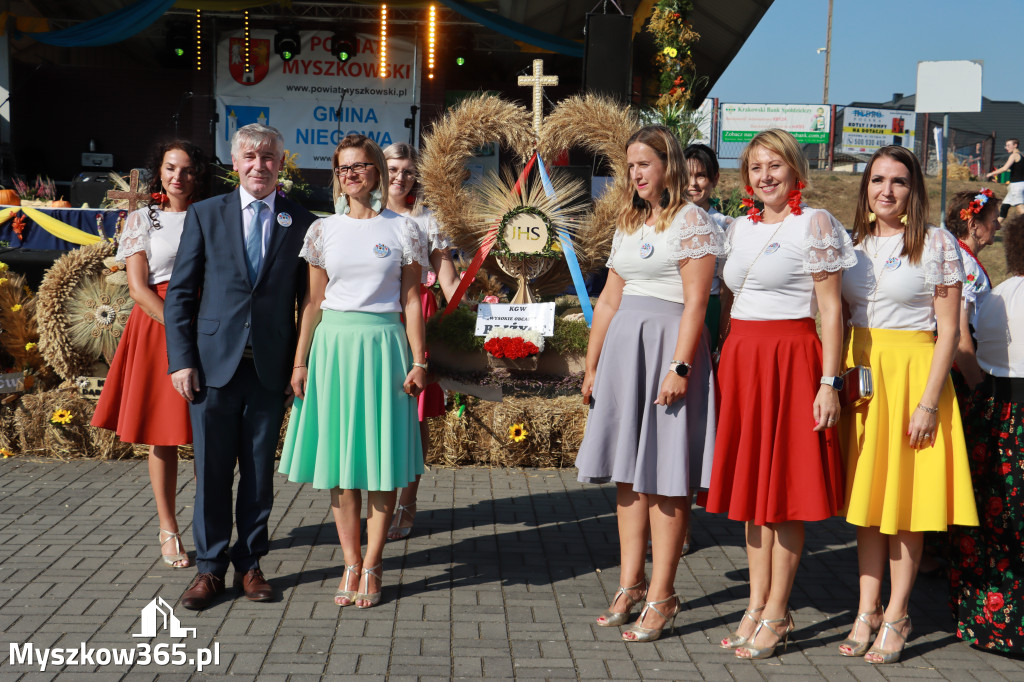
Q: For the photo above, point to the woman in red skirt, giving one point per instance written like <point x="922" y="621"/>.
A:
<point x="138" y="401"/>
<point x="777" y="461"/>
<point x="405" y="200"/>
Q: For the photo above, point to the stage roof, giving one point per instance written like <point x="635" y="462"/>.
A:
<point x="724" y="25"/>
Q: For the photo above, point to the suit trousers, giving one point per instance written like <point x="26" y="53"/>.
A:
<point x="238" y="422"/>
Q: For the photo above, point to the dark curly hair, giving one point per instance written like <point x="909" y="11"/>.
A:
<point x="962" y="200"/>
<point x="200" y="172"/>
<point x="1013" y="244"/>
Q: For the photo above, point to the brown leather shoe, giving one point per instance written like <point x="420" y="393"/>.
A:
<point x="254" y="585"/>
<point x="201" y="591"/>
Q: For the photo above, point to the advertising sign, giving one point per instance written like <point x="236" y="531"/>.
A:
<point x="867" y="130"/>
<point x="809" y="123"/>
<point x="314" y="99"/>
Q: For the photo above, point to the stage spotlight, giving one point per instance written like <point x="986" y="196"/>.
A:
<point x="287" y="43"/>
<point x="344" y="46"/>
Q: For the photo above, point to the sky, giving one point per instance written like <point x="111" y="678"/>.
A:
<point x="876" y="45"/>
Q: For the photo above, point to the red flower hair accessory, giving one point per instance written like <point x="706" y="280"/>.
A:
<point x="978" y="203"/>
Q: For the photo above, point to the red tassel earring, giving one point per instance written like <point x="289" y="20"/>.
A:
<point x="753" y="212"/>
<point x="159" y="198"/>
<point x="795" y="198"/>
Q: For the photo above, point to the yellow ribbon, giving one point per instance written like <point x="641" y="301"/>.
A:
<point x="55" y="227"/>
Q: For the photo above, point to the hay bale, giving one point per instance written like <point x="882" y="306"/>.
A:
<point x="39" y="435"/>
<point x="554" y="430"/>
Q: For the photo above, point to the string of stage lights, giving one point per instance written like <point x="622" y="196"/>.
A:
<point x="287" y="43"/>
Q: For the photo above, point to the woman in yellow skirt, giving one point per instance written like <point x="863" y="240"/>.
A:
<point x="906" y="459"/>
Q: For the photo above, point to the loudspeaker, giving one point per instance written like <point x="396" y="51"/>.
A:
<point x="608" y="55"/>
<point x="90" y="187"/>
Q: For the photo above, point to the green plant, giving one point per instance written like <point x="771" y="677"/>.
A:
<point x="674" y="38"/>
<point x="678" y="117"/>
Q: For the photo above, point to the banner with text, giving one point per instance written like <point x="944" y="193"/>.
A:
<point x="301" y="98"/>
<point x="809" y="123"/>
<point x="867" y="130"/>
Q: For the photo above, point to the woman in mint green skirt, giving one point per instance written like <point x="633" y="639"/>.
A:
<point x="358" y="370"/>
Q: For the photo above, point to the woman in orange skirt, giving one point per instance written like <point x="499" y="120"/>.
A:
<point x="138" y="402"/>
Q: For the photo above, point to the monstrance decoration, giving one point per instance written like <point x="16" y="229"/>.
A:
<point x="530" y="222"/>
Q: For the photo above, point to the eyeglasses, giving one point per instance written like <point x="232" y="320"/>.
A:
<point x="354" y="169"/>
<point x="403" y="173"/>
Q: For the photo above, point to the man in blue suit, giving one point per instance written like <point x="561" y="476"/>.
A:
<point x="230" y="319"/>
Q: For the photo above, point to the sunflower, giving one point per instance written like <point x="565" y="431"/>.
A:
<point x="61" y="417"/>
<point x="16" y="307"/>
<point x="517" y="432"/>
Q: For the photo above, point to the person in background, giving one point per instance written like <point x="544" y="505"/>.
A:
<point x="358" y="370"/>
<point x="1014" y="199"/>
<point x="973" y="218"/>
<point x="648" y="378"/>
<point x="988" y="565"/>
<point x="777" y="462"/>
<point x="405" y="200"/>
<point x="906" y="461"/>
<point x="137" y="402"/>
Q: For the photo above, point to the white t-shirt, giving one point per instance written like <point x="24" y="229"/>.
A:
<point x="432" y="234"/>
<point x="723" y="221"/>
<point x="160" y="245"/>
<point x="999" y="329"/>
<point x="905" y="292"/>
<point x="976" y="285"/>
<point x="649" y="261"/>
<point x="781" y="259"/>
<point x="364" y="259"/>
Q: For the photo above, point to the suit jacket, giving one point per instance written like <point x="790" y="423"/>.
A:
<point x="211" y="307"/>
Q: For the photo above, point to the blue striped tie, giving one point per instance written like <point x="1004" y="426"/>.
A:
<point x="254" y="242"/>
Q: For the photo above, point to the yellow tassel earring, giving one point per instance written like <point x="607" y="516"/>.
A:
<point x="872" y="217"/>
<point x="903" y="218"/>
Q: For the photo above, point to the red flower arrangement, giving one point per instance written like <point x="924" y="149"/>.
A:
<point x="513" y="347"/>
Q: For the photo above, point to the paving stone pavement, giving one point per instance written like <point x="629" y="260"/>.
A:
<point x="501" y="579"/>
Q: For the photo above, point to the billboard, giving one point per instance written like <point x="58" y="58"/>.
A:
<point x="314" y="99"/>
<point x="866" y="130"/>
<point x="809" y="123"/>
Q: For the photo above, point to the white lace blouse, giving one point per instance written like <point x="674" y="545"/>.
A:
<point x="159" y="245"/>
<point x="723" y="222"/>
<point x="769" y="267"/>
<point x="364" y="259"/>
<point x="976" y="286"/>
<point x="432" y="233"/>
<point x="649" y="261"/>
<point x="885" y="291"/>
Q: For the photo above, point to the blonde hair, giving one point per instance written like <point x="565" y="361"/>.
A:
<point x="400" y="151"/>
<point x="782" y="143"/>
<point x="373" y="153"/>
<point x="635" y="210"/>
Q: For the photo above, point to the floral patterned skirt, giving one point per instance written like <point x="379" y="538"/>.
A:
<point x="988" y="564"/>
